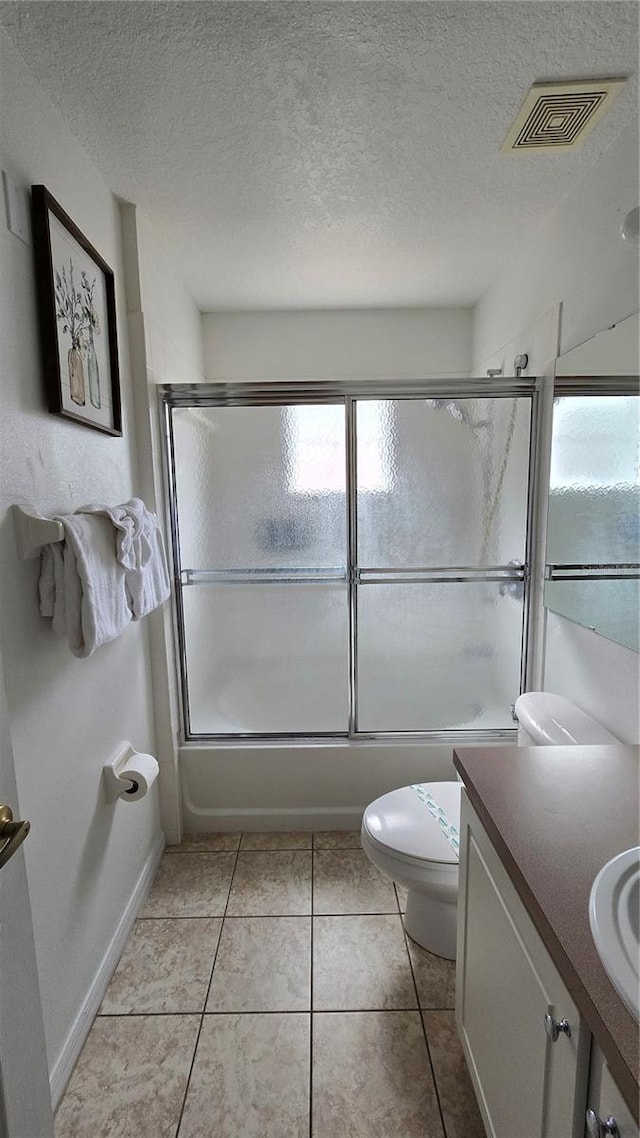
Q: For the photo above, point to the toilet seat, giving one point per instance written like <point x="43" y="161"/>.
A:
<point x="401" y="825"/>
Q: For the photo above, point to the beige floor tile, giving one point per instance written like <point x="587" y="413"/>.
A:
<point x="263" y="965"/>
<point x="250" y="1078"/>
<point x="130" y="1079"/>
<point x="435" y="977"/>
<point x="345" y="881"/>
<point x="371" y="1077"/>
<point x="286" y="840"/>
<point x="337" y="840"/>
<point x="459" y="1106"/>
<point x="271" y="884"/>
<point x="361" y="962"/>
<point x="191" y="885"/>
<point x="165" y="967"/>
<point x="401" y="894"/>
<point x="206" y="843"/>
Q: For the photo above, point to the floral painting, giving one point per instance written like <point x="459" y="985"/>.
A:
<point x="77" y="317"/>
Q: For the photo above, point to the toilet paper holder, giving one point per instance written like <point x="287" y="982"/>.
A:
<point x="117" y="783"/>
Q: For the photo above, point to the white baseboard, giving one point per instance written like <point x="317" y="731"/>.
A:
<point x="288" y="818"/>
<point x="66" y="1061"/>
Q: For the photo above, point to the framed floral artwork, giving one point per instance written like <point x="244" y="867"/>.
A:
<point x="77" y="316"/>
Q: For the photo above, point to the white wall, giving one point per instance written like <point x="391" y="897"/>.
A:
<point x="173" y="322"/>
<point x="368" y="343"/>
<point x="577" y="259"/>
<point x="165" y="335"/>
<point x="67" y="716"/>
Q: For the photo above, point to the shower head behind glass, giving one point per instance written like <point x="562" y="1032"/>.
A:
<point x="457" y="411"/>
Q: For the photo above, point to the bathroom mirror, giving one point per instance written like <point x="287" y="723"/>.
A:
<point x="611" y="352"/>
<point x="593" y="530"/>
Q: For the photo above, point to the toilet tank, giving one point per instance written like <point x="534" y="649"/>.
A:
<point x="545" y="719"/>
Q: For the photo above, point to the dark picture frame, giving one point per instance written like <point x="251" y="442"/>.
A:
<point x="77" y="320"/>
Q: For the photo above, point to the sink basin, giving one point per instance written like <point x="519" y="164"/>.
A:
<point x="614" y="915"/>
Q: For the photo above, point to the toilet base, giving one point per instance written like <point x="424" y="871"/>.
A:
<point x="432" y="923"/>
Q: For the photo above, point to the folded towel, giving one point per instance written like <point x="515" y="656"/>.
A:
<point x="131" y="521"/>
<point x="46" y="582"/>
<point x="52" y="586"/>
<point x="140" y="550"/>
<point x="94" y="584"/>
<point x="149" y="586"/>
<point x="105" y="573"/>
<point x="82" y="586"/>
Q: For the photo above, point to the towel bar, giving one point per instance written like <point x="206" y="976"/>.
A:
<point x="33" y="531"/>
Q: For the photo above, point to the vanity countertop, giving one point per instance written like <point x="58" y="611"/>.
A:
<point x="555" y="816"/>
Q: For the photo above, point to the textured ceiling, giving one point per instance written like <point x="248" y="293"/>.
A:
<point x="301" y="154"/>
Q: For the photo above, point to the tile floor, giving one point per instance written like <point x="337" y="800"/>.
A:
<point x="268" y="991"/>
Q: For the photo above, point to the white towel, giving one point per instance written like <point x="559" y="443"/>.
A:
<point x="140" y="550"/>
<point x="94" y="584"/>
<point x="131" y="521"/>
<point x="47" y="581"/>
<point x="149" y="586"/>
<point x="51" y="586"/>
<point x="82" y="586"/>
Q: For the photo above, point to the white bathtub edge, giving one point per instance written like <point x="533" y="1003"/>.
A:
<point x="198" y="821"/>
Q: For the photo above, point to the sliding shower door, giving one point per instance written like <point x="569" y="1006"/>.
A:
<point x="348" y="564"/>
<point x="261" y="530"/>
<point x="441" y="549"/>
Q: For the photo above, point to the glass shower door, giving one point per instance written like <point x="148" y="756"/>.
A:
<point x="261" y="527"/>
<point x="441" y="548"/>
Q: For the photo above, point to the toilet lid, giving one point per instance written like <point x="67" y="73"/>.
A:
<point x="405" y="821"/>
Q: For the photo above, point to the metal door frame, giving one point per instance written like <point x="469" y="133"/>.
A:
<point x="348" y="393"/>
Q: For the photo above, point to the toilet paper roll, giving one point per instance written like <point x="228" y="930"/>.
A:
<point x="136" y="776"/>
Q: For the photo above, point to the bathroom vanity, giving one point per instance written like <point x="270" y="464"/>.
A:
<point x="545" y="1034"/>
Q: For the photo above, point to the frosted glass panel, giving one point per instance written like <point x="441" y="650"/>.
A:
<point x="261" y="510"/>
<point x="451" y="482"/>
<point x="261" y="487"/>
<point x="433" y="657"/>
<point x="267" y="658"/>
<point x="594" y="508"/>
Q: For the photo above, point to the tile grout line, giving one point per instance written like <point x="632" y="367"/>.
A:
<point x="215" y="957"/>
<point x="280" y="916"/>
<point x="253" y="916"/>
<point x="278" y="849"/>
<point x="424" y="1030"/>
<point x="268" y="1012"/>
<point x="171" y="850"/>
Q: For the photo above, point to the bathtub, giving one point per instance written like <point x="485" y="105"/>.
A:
<point x="254" y="784"/>
<point x="274" y="695"/>
<point x="294" y="785"/>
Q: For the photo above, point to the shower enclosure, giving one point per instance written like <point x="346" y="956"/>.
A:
<point x="350" y="559"/>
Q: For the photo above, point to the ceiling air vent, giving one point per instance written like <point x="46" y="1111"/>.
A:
<point x="560" y="115"/>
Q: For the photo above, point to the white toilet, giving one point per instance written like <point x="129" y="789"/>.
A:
<point x="412" y="834"/>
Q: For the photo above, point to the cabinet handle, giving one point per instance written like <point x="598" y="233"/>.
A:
<point x="596" y="1128"/>
<point x="554" y="1028"/>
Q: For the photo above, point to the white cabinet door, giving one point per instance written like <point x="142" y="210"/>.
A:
<point x="605" y="1099"/>
<point x="527" y="1085"/>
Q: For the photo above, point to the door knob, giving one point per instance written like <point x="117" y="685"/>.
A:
<point x="12" y="834"/>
